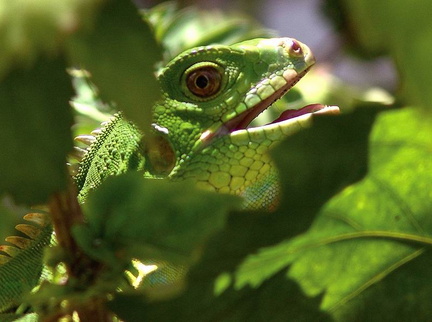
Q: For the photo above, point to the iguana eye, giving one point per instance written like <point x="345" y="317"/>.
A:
<point x="204" y="81"/>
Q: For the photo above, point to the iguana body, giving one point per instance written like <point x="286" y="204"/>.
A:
<point x="209" y="97"/>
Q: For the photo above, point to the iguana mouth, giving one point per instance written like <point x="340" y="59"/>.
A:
<point x="243" y="120"/>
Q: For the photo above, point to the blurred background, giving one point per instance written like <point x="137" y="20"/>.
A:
<point x="312" y="22"/>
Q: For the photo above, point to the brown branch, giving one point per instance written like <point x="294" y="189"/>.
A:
<point x="65" y="213"/>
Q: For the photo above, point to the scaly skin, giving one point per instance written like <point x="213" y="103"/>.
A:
<point x="209" y="97"/>
<point x="20" y="269"/>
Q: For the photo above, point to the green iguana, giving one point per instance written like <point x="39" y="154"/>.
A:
<point x="210" y="95"/>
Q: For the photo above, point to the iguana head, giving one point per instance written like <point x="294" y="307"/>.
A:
<point x="211" y="95"/>
<point x="213" y="91"/>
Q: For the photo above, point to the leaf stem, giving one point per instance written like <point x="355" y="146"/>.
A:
<point x="380" y="234"/>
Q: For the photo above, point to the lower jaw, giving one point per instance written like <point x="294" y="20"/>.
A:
<point x="288" y="123"/>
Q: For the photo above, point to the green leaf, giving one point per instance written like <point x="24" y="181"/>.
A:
<point x="313" y="173"/>
<point x="30" y="28"/>
<point x="278" y="300"/>
<point x="402" y="30"/>
<point x="178" y="30"/>
<point x="372" y="236"/>
<point x="121" y="54"/>
<point x="35" y="121"/>
<point x="31" y="317"/>
<point x="90" y="109"/>
<point x="317" y="163"/>
<point x="132" y="217"/>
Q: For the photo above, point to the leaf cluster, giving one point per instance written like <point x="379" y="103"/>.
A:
<point x="350" y="240"/>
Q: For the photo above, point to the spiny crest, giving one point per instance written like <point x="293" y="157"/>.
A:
<point x="38" y="221"/>
<point x="79" y="153"/>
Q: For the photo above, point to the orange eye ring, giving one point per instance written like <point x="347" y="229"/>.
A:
<point x="204" y="82"/>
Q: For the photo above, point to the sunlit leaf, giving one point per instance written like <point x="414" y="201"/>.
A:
<point x="401" y="30"/>
<point x="209" y="298"/>
<point x="370" y="234"/>
<point x="120" y="53"/>
<point x="31" y="27"/>
<point x="178" y="30"/>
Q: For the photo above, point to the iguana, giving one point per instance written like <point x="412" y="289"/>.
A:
<point x="200" y="130"/>
<point x="210" y="96"/>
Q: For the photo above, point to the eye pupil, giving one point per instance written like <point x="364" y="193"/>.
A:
<point x="202" y="81"/>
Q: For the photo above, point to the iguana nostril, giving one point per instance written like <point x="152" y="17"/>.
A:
<point x="294" y="48"/>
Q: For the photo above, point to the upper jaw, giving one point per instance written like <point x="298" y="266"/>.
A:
<point x="267" y="91"/>
<point x="243" y="120"/>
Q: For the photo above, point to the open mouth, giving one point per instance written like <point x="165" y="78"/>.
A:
<point x="308" y="109"/>
<point x="243" y="120"/>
